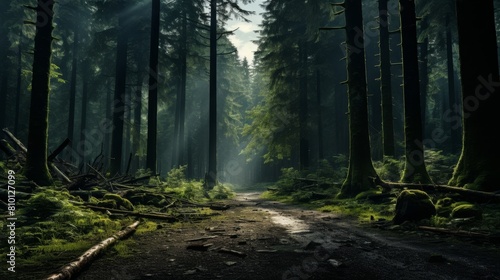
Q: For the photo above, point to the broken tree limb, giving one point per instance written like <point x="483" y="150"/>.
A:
<point x="59" y="149"/>
<point x="102" y="176"/>
<point x="7" y="148"/>
<point x="457" y="232"/>
<point x="71" y="269"/>
<point x="479" y="196"/>
<point x="15" y="140"/>
<point x="132" y="213"/>
<point x="60" y="173"/>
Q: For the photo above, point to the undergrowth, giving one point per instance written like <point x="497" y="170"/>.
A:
<point x="317" y="189"/>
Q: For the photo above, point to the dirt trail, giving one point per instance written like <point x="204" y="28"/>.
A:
<point x="258" y="239"/>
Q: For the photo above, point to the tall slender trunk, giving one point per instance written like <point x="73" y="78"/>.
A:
<point x="83" y="116"/>
<point x="19" y="83"/>
<point x="72" y="90"/>
<point x="454" y="132"/>
<point x="424" y="73"/>
<point x="4" y="88"/>
<point x="136" y="133"/>
<point x="36" y="167"/>
<point x="303" y="109"/>
<point x="119" y="95"/>
<point x="414" y="170"/>
<point x="386" y="81"/>
<point x="153" y="87"/>
<point x="321" y="154"/>
<point x="182" y="102"/>
<point x="211" y="176"/>
<point x="478" y="166"/>
<point x="360" y="163"/>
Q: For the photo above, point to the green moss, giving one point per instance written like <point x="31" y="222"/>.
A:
<point x="444" y="206"/>
<point x="466" y="211"/>
<point x="120" y="201"/>
<point x="413" y="205"/>
<point x="367" y="194"/>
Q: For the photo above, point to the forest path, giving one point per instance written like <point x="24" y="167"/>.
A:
<point x="272" y="240"/>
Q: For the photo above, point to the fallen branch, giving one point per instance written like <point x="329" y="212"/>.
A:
<point x="70" y="270"/>
<point x="132" y="213"/>
<point x="58" y="150"/>
<point x="457" y="232"/>
<point x="470" y="194"/>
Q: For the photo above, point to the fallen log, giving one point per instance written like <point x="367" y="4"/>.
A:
<point x="71" y="269"/>
<point x="478" y="196"/>
<point x="15" y="140"/>
<point x="457" y="232"/>
<point x="132" y="213"/>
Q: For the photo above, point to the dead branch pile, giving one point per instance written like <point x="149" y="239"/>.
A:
<point x="115" y="194"/>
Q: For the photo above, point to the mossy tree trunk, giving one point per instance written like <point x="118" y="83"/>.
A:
<point x="414" y="170"/>
<point x="385" y="81"/>
<point x="478" y="167"/>
<point x="360" y="163"/>
<point x="36" y="168"/>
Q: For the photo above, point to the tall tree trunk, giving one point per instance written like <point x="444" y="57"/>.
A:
<point x="119" y="95"/>
<point x="83" y="117"/>
<point x="136" y="132"/>
<point x="211" y="176"/>
<point x="72" y="90"/>
<point x="424" y="73"/>
<point x="386" y="81"/>
<point x="36" y="168"/>
<point x="414" y="171"/>
<point x="182" y="102"/>
<point x="321" y="154"/>
<point x="478" y="166"/>
<point x="19" y="83"/>
<point x="303" y="109"/>
<point x="360" y="163"/>
<point x="4" y="88"/>
<point x="454" y="131"/>
<point x="153" y="87"/>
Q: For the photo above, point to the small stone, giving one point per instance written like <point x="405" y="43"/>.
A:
<point x="190" y="272"/>
<point x="335" y="263"/>
<point x="230" y="263"/>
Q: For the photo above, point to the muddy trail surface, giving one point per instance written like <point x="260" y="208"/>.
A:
<point x="259" y="239"/>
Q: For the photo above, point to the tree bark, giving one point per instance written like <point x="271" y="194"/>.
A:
<point x="211" y="176"/>
<point x="72" y="90"/>
<point x="415" y="170"/>
<point x="303" y="108"/>
<point x="424" y="73"/>
<point x="36" y="167"/>
<point x="360" y="163"/>
<point x="118" y="109"/>
<point x="153" y="86"/>
<point x="454" y="131"/>
<point x="478" y="166"/>
<point x="385" y="81"/>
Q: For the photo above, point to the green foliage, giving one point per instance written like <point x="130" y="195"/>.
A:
<point x="439" y="166"/>
<point x="390" y="169"/>
<point x="286" y="184"/>
<point x="176" y="177"/>
<point x="222" y="191"/>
